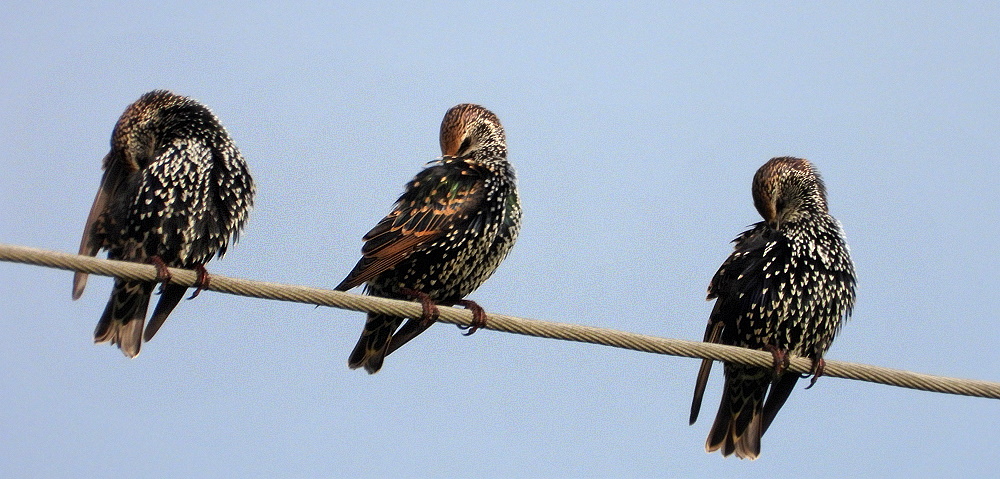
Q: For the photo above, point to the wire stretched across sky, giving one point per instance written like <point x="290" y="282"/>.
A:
<point x="499" y="322"/>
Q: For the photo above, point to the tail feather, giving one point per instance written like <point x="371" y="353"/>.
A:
<point x="404" y="334"/>
<point x="738" y="425"/>
<point x="171" y="296"/>
<point x="374" y="342"/>
<point x="776" y="398"/>
<point x="719" y="437"/>
<point x="124" y="315"/>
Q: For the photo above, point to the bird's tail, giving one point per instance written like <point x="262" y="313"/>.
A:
<point x="374" y="342"/>
<point x="123" y="317"/>
<point x="171" y="295"/>
<point x="738" y="425"/>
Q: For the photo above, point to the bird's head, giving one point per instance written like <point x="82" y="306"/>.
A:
<point x="469" y="130"/>
<point x="135" y="135"/>
<point x="787" y="189"/>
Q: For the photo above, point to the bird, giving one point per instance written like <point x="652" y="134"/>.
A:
<point x="787" y="288"/>
<point x="175" y="193"/>
<point x="446" y="234"/>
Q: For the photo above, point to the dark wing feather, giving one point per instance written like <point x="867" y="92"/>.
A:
<point x="742" y="282"/>
<point x="169" y="298"/>
<point x="780" y="390"/>
<point x="742" y="272"/>
<point x="712" y="334"/>
<point x="115" y="171"/>
<point x="436" y="199"/>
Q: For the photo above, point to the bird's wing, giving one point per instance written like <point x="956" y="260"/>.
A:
<point x="712" y="334"/>
<point x="738" y="284"/>
<point x="747" y="279"/>
<point x="437" y="199"/>
<point x="116" y="169"/>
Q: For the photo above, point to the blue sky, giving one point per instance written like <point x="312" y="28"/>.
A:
<point x="635" y="131"/>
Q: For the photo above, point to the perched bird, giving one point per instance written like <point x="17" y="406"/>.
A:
<point x="787" y="288"/>
<point x="446" y="234"/>
<point x="175" y="191"/>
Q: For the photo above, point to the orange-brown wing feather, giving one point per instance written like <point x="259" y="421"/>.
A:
<point x="433" y="202"/>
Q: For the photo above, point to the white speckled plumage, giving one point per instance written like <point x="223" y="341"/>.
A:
<point x="175" y="189"/>
<point x="448" y="232"/>
<point x="787" y="288"/>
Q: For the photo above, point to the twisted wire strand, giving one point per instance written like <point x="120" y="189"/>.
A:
<point x="499" y="322"/>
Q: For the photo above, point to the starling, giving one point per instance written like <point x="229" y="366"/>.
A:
<point x="175" y="191"/>
<point x="787" y="289"/>
<point x="446" y="234"/>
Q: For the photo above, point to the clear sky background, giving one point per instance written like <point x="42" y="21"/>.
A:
<point x="635" y="131"/>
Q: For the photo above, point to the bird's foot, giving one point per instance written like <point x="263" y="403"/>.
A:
<point x="163" y="275"/>
<point x="202" y="282"/>
<point x="430" y="310"/>
<point x="817" y="370"/>
<point x="478" y="316"/>
<point x="781" y="359"/>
